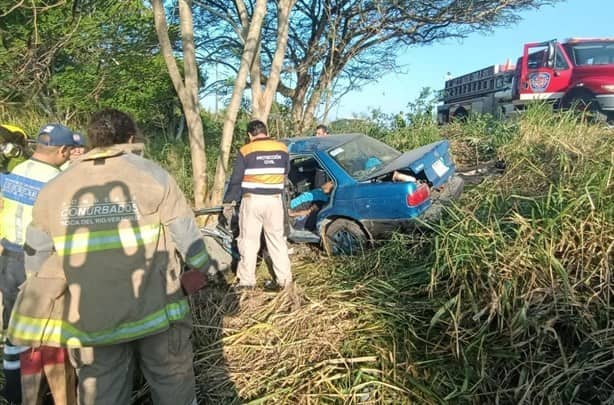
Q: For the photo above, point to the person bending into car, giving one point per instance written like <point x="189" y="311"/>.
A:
<point x="305" y="206"/>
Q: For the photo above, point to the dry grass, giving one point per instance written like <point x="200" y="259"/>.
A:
<point x="507" y="300"/>
<point x="290" y="347"/>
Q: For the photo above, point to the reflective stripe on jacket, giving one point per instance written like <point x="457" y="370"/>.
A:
<point x="104" y="243"/>
<point x="20" y="189"/>
<point x="260" y="168"/>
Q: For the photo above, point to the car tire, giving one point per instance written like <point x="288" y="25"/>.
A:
<point x="344" y="237"/>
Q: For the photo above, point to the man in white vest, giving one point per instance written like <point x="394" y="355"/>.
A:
<point x="20" y="188"/>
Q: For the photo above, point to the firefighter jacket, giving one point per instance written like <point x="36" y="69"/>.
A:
<point x="19" y="191"/>
<point x="260" y="168"/>
<point x="105" y="241"/>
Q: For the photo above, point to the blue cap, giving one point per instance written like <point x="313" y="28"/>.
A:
<point x="58" y="135"/>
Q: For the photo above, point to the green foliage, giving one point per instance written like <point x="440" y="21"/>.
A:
<point x="506" y="299"/>
<point x="82" y="56"/>
<point x="403" y="131"/>
<point x="175" y="157"/>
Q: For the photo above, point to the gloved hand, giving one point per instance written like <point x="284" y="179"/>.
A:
<point x="193" y="281"/>
<point x="228" y="210"/>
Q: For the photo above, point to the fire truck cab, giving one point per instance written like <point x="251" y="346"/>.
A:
<point x="576" y="73"/>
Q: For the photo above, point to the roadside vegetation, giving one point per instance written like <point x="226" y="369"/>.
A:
<point x="506" y="300"/>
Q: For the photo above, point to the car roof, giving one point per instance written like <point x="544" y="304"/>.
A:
<point x="310" y="144"/>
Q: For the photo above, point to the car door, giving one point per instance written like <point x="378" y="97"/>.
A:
<point x="306" y="236"/>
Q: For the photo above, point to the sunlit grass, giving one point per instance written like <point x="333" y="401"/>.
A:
<point x="507" y="300"/>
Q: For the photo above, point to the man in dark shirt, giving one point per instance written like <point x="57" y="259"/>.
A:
<point x="257" y="180"/>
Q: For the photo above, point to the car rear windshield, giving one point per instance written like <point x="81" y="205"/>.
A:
<point x="592" y="53"/>
<point x="362" y="156"/>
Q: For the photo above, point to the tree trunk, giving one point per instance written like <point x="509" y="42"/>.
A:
<point x="266" y="98"/>
<point x="298" y="103"/>
<point x="187" y="91"/>
<point x="249" y="50"/>
<point x="257" y="93"/>
<point x="310" y="110"/>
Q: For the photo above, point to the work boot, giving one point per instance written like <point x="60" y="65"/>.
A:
<point x="272" y="286"/>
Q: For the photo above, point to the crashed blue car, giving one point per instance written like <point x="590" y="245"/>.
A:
<point x="375" y="188"/>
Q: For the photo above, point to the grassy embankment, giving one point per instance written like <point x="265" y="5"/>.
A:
<point x="507" y="300"/>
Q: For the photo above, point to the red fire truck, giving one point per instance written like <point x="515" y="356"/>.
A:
<point x="576" y="72"/>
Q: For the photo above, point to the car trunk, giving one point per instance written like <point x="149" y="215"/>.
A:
<point x="430" y="162"/>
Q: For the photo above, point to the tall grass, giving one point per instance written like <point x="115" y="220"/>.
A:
<point x="518" y="305"/>
<point x="506" y="300"/>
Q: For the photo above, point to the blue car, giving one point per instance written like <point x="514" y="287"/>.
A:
<point x="375" y="189"/>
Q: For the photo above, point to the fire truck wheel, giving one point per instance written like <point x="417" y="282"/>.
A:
<point x="460" y="115"/>
<point x="587" y="106"/>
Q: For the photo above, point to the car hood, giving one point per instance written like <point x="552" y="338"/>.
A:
<point x="421" y="160"/>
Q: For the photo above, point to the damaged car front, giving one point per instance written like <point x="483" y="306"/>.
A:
<point x="423" y="178"/>
<point x="377" y="189"/>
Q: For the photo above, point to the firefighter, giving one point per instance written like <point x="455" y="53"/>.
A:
<point x="257" y="180"/>
<point x="19" y="191"/>
<point x="110" y="231"/>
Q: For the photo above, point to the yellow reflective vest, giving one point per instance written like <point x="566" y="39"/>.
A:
<point x="20" y="189"/>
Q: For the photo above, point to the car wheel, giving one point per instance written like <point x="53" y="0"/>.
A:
<point x="344" y="237"/>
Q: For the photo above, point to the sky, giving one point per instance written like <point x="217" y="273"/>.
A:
<point x="427" y="66"/>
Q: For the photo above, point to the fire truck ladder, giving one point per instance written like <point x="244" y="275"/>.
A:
<point x="477" y="84"/>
